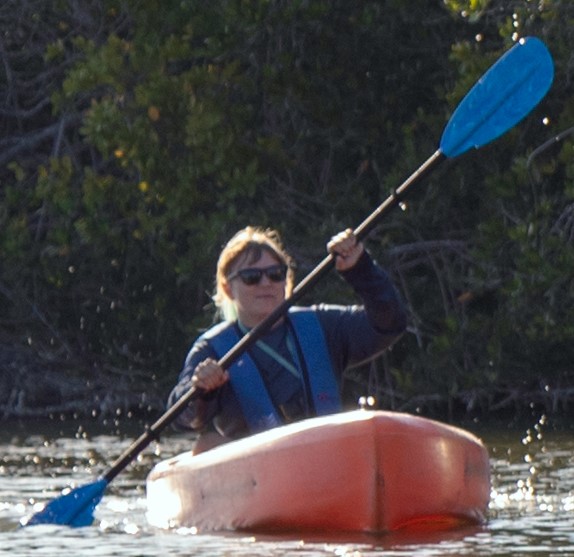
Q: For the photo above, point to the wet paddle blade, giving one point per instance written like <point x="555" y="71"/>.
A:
<point x="75" y="508"/>
<point x="501" y="98"/>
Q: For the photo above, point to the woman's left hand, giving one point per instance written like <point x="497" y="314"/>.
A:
<point x="346" y="248"/>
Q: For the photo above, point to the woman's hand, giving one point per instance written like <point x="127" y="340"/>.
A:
<point x="209" y="375"/>
<point x="346" y="248"/>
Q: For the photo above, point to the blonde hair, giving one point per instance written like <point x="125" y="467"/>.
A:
<point x="248" y="245"/>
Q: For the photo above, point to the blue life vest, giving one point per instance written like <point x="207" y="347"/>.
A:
<point x="247" y="383"/>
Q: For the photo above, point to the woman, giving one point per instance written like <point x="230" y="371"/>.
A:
<point x="294" y="371"/>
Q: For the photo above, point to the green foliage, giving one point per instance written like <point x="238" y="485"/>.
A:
<point x="507" y="305"/>
<point x="158" y="137"/>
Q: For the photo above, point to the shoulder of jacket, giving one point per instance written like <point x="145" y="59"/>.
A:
<point x="216" y="330"/>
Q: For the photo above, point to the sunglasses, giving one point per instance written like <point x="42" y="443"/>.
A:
<point x="253" y="276"/>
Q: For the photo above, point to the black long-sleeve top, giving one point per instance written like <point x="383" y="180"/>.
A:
<point x="354" y="334"/>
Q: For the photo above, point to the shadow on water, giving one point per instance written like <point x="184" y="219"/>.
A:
<point x="382" y="541"/>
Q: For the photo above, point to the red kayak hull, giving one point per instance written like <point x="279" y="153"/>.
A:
<point x="362" y="471"/>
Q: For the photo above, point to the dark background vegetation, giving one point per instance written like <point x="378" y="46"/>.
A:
<point x="138" y="136"/>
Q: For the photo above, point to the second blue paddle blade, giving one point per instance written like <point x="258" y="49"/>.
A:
<point x="75" y="508"/>
<point x="502" y="97"/>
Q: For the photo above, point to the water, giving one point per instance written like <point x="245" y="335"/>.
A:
<point x="531" y="510"/>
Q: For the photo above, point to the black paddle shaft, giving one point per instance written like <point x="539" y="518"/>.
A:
<point x="249" y="339"/>
<point x="504" y="95"/>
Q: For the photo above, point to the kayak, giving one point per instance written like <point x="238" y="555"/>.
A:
<point x="359" y="471"/>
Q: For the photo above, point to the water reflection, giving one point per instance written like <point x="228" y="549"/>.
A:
<point x="531" y="511"/>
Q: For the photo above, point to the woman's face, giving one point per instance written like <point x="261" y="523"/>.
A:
<point x="254" y="302"/>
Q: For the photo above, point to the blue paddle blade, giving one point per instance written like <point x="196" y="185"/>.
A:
<point x="75" y="508"/>
<point x="501" y="98"/>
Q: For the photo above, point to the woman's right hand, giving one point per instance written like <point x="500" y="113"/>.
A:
<point x="209" y="375"/>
